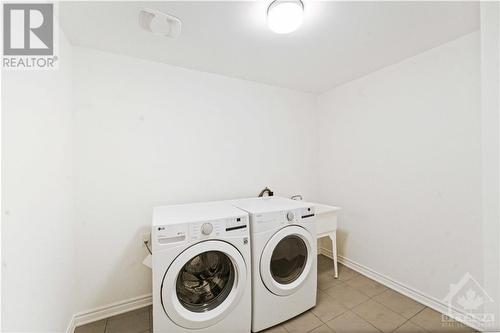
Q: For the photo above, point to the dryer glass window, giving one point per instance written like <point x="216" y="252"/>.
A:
<point x="205" y="281"/>
<point x="289" y="259"/>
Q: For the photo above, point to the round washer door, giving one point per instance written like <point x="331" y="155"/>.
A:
<point x="287" y="260"/>
<point x="203" y="284"/>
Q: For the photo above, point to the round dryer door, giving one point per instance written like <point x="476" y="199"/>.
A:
<point x="287" y="260"/>
<point x="203" y="284"/>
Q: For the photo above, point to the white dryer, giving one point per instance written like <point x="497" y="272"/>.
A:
<point x="201" y="269"/>
<point x="284" y="258"/>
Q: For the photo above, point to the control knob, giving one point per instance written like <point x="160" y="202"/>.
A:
<point x="290" y="216"/>
<point x="207" y="228"/>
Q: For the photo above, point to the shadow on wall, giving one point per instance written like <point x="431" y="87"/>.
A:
<point x="342" y="237"/>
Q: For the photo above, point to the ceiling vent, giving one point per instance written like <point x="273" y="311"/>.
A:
<point x="159" y="23"/>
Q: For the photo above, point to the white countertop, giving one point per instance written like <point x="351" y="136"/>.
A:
<point x="326" y="218"/>
<point x="321" y="209"/>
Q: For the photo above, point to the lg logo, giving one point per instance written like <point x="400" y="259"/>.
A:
<point x="28" y="29"/>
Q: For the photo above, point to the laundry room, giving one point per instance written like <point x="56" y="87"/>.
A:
<point x="279" y="166"/>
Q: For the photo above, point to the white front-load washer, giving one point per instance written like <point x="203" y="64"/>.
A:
<point x="284" y="258"/>
<point x="201" y="269"/>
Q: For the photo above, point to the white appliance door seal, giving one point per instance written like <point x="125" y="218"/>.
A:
<point x="185" y="314"/>
<point x="286" y="260"/>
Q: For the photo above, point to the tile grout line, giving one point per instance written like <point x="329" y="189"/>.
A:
<point x="407" y="319"/>
<point x="410" y="319"/>
<point x="334" y="317"/>
<point x="387" y="289"/>
<point x="383" y="305"/>
<point x="394" y="330"/>
<point x="388" y="308"/>
<point x="363" y="319"/>
<point x="343" y="282"/>
<point x="321" y="321"/>
<point x="372" y="299"/>
<point x="425" y="307"/>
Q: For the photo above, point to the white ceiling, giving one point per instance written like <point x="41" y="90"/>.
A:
<point x="338" y="42"/>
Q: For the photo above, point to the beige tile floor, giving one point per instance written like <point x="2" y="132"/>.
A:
<point x="350" y="304"/>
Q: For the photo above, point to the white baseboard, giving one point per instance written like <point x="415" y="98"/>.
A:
<point x="71" y="325"/>
<point x="109" y="310"/>
<point x="326" y="252"/>
<point x="414" y="294"/>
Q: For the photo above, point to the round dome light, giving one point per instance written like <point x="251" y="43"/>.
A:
<point x="285" y="16"/>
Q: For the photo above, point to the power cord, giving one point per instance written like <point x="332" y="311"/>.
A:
<point x="146" y="243"/>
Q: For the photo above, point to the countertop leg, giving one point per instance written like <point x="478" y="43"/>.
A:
<point x="333" y="237"/>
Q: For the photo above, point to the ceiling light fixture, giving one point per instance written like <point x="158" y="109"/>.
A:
<point x="285" y="16"/>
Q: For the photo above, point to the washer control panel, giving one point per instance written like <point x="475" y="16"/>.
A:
<point x="218" y="228"/>
<point x="175" y="234"/>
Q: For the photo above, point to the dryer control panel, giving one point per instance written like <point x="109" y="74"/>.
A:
<point x="270" y="220"/>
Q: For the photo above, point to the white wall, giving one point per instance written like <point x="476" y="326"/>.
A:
<point x="400" y="152"/>
<point x="490" y="110"/>
<point x="38" y="221"/>
<point x="151" y="134"/>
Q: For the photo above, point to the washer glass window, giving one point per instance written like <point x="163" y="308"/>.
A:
<point x="205" y="281"/>
<point x="289" y="259"/>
